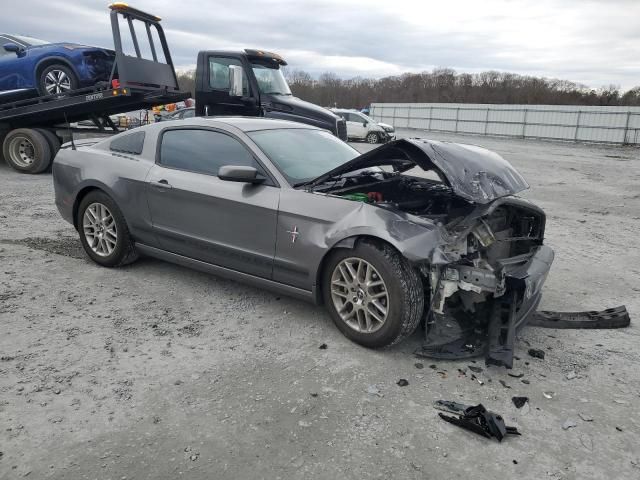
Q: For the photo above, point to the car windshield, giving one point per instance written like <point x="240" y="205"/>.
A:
<point x="30" y="41"/>
<point x="270" y="80"/>
<point x="302" y="154"/>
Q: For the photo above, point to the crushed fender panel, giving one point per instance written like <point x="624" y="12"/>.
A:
<point x="617" y="317"/>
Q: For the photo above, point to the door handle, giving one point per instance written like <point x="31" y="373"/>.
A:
<point x="161" y="184"/>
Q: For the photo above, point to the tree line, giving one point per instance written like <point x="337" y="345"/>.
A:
<point x="444" y="85"/>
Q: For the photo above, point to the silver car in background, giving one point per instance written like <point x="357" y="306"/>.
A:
<point x="415" y="230"/>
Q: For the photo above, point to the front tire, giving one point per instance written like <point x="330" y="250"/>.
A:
<point x="372" y="138"/>
<point x="56" y="80"/>
<point x="103" y="231"/>
<point x="373" y="295"/>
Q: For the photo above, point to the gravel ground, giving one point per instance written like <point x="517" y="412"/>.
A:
<point x="154" y="371"/>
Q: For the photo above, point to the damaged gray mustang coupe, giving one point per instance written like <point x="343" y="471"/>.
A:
<point x="413" y="230"/>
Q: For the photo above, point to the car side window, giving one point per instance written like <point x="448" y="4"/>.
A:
<point x="202" y="151"/>
<point x="219" y="74"/>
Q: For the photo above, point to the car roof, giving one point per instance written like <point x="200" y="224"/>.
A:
<point x="246" y="124"/>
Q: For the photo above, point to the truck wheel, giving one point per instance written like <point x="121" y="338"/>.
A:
<point x="372" y="137"/>
<point x="53" y="141"/>
<point x="104" y="233"/>
<point x="374" y="296"/>
<point x="57" y="79"/>
<point x="27" y="150"/>
<point x="2" y="135"/>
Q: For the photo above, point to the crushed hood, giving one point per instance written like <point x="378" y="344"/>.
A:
<point x="474" y="173"/>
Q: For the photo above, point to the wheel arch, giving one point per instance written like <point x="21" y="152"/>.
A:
<point x="349" y="242"/>
<point x="83" y="192"/>
<point x="53" y="60"/>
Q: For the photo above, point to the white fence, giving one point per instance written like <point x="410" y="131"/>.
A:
<point x="557" y="122"/>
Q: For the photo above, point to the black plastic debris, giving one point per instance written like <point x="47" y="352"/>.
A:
<point x="419" y="365"/>
<point x="515" y="375"/>
<point x="536" y="353"/>
<point x="476" y="419"/>
<point x="519" y="401"/>
<point x="402" y="382"/>
<point x="616" y="317"/>
<point x="504" y="384"/>
<point x="323" y="346"/>
<point x="474" y="368"/>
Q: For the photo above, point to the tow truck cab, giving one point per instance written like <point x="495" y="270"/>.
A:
<point x="251" y="83"/>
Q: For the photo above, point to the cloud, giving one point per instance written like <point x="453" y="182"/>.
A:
<point x="594" y="42"/>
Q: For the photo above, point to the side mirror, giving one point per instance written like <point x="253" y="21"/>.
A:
<point x="235" y="81"/>
<point x="235" y="173"/>
<point x="364" y="124"/>
<point x="11" y="47"/>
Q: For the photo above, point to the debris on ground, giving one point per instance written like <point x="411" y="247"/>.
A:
<point x="616" y="317"/>
<point x="548" y="394"/>
<point x="571" y="375"/>
<point x="323" y="346"/>
<point x="569" y="424"/>
<point x="519" y="401"/>
<point x="403" y="382"/>
<point x="419" y="365"/>
<point x="374" y="390"/>
<point x="585" y="417"/>
<point x="473" y="377"/>
<point x="536" y="353"/>
<point x="475" y="369"/>
<point x="515" y="375"/>
<point x="476" y="419"/>
<point x="504" y="384"/>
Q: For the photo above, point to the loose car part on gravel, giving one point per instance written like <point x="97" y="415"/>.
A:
<point x="616" y="317"/>
<point x="476" y="419"/>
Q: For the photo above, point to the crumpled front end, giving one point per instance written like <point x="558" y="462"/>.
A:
<point x="486" y="282"/>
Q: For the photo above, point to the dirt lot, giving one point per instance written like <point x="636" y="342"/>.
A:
<point x="155" y="371"/>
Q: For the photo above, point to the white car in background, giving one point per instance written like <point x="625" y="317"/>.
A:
<point x="362" y="127"/>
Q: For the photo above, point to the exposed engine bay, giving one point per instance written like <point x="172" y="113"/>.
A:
<point x="415" y="195"/>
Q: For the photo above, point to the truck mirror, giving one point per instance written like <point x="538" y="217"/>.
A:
<point x="235" y="81"/>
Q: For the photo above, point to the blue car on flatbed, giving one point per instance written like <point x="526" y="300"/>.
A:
<point x="30" y="67"/>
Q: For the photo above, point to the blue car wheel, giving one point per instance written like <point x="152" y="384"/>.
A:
<point x="57" y="79"/>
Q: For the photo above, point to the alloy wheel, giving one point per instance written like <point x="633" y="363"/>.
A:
<point x="57" y="81"/>
<point x="359" y="295"/>
<point x="372" y="138"/>
<point x="99" y="228"/>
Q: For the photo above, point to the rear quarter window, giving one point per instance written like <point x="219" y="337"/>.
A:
<point x="129" y="143"/>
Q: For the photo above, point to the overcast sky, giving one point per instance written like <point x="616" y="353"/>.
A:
<point x="594" y="42"/>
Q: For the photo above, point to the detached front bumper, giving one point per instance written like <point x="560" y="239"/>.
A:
<point x="489" y="327"/>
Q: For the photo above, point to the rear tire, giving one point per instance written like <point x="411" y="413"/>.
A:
<point x="104" y="233"/>
<point x="354" y="310"/>
<point x="53" y="141"/>
<point x="27" y="150"/>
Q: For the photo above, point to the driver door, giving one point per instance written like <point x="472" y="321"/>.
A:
<point x="11" y="81"/>
<point x="214" y="95"/>
<point x="197" y="215"/>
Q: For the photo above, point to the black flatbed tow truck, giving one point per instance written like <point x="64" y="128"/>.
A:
<point x="32" y="130"/>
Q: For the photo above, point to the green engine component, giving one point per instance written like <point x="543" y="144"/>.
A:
<point x="357" y="197"/>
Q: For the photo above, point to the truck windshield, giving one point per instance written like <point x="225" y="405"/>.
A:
<point x="303" y="154"/>
<point x="270" y="80"/>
